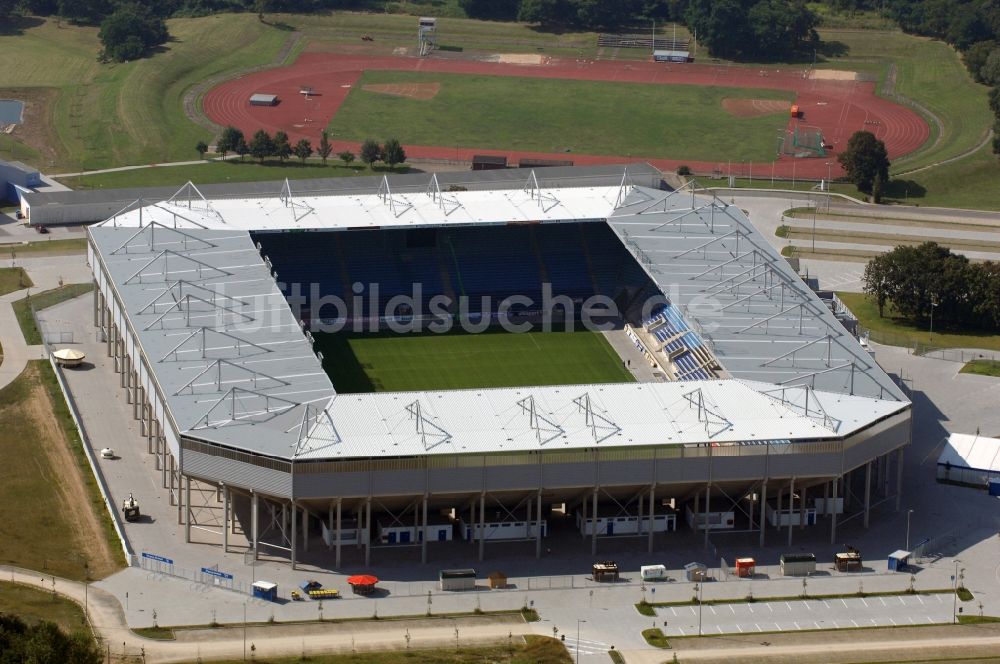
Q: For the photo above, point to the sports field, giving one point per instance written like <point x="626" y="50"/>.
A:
<point x="391" y="362"/>
<point x="557" y="116"/>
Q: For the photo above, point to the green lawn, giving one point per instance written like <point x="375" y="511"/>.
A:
<point x="41" y="530"/>
<point x="548" y="115"/>
<point x="43" y="300"/>
<point x="33" y="605"/>
<point x="50" y="247"/>
<point x="534" y="650"/>
<point x="389" y="362"/>
<point x="13" y="279"/>
<point x="982" y="367"/>
<point x="216" y="172"/>
<point x="896" y="331"/>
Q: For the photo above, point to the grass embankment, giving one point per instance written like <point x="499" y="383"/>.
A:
<point x="221" y="172"/>
<point x="13" y="279"/>
<point x="655" y="637"/>
<point x="566" y="116"/>
<point x="982" y="367"/>
<point x="391" y="362"/>
<point x="44" y="248"/>
<point x="649" y="608"/>
<point x="56" y="521"/>
<point x="33" y="605"/>
<point x="534" y="650"/>
<point x="896" y="331"/>
<point x="43" y="300"/>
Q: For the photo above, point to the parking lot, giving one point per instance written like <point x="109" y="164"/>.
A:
<point x="798" y="615"/>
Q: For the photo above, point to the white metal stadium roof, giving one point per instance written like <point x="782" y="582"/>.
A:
<point x="237" y="369"/>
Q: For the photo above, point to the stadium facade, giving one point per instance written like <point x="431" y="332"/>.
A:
<point x="766" y="397"/>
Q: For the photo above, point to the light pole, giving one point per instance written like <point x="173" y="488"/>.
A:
<point x="578" y="621"/>
<point x="954" y="603"/>
<point x="814" y="226"/>
<point x="933" y="306"/>
<point x="244" y="631"/>
<point x="908" y="513"/>
<point x="698" y="587"/>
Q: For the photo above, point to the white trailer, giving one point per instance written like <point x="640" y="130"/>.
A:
<point x="437" y="530"/>
<point x="653" y="572"/>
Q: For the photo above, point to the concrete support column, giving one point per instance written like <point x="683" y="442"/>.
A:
<point x="708" y="496"/>
<point x="284" y="521"/>
<point x="802" y="507"/>
<point x="538" y="525"/>
<point x="826" y="497"/>
<point x="423" y="533"/>
<point x="109" y="335"/>
<point x="868" y="492"/>
<point x="639" y="532"/>
<point x="305" y="529"/>
<point x="593" y="525"/>
<point x="97" y="303"/>
<point x="899" y="477"/>
<point x="583" y="518"/>
<point x="225" y="519"/>
<point x="652" y="518"/>
<point x="368" y="531"/>
<point x="833" y="513"/>
<point x="169" y="479"/>
<point x="791" y="507"/>
<point x="186" y="481"/>
<point x="763" y="510"/>
<point x="337" y="534"/>
<point x="124" y="375"/>
<point x="254" y="524"/>
<point x="293" y="541"/>
<point x="482" y="525"/>
<point x="778" y="508"/>
<point x="163" y="462"/>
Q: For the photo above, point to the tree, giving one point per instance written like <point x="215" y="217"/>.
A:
<point x="781" y="27"/>
<point x="229" y="141"/>
<point x="202" y="148"/>
<point x="324" y="148"/>
<point x="261" y="145"/>
<point x="393" y="153"/>
<point x="303" y="150"/>
<point x="490" y="10"/>
<point x="539" y="11"/>
<point x="282" y="148"/>
<point x="241" y="147"/>
<point x="83" y="11"/>
<point x="878" y="280"/>
<point x="975" y="57"/>
<point x="130" y="32"/>
<point x="720" y="24"/>
<point x="864" y="159"/>
<point x="989" y="73"/>
<point x="346" y="156"/>
<point x="370" y="152"/>
<point x="44" y="643"/>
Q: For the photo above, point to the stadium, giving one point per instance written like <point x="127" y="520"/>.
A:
<point x="312" y="356"/>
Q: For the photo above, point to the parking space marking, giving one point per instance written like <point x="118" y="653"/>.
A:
<point x="714" y="613"/>
<point x="796" y="625"/>
<point x="883" y="601"/>
<point x="808" y="605"/>
<point x="854" y="623"/>
<point x="864" y="602"/>
<point x="788" y="606"/>
<point x="733" y="609"/>
<point x="673" y="612"/>
<point x="920" y="600"/>
<point x="758" y="627"/>
<point x="739" y="628"/>
<point x="844" y="603"/>
<point x="893" y="621"/>
<point x="750" y="607"/>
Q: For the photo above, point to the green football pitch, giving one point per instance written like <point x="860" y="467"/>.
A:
<point x="550" y="115"/>
<point x="391" y="362"/>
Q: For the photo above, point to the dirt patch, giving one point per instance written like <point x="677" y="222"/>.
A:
<point x="38" y="130"/>
<point x="419" y="91"/>
<point x="520" y="59"/>
<point x="66" y="477"/>
<point x="752" y="108"/>
<point x="833" y="75"/>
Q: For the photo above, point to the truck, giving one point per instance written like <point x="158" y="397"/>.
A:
<point x="130" y="507"/>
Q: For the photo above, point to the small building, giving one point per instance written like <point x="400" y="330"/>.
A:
<point x="798" y="564"/>
<point x="488" y="162"/>
<point x="695" y="572"/>
<point x="497" y="580"/>
<point x="438" y="529"/>
<point x="605" y="571"/>
<point x="265" y="590"/>
<point x="666" y="55"/>
<point x="458" y="579"/>
<point x="972" y="460"/>
<point x="849" y="561"/>
<point x="898" y="560"/>
<point x="714" y="519"/>
<point x="17" y="178"/>
<point x="625" y="524"/>
<point x="261" y="99"/>
<point x="828" y="506"/>
<point x="502" y="530"/>
<point x="746" y="568"/>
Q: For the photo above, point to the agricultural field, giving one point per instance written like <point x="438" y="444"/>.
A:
<point x="391" y="362"/>
<point x="548" y="115"/>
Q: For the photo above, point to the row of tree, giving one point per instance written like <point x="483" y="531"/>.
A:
<point x="866" y="163"/>
<point x="44" y="643"/>
<point x="919" y="280"/>
<point x="262" y="146"/>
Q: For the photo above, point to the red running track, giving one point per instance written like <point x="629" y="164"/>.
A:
<point x="839" y="108"/>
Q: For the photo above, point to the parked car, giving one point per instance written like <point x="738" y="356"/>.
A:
<point x="18" y="214"/>
<point x="41" y="229"/>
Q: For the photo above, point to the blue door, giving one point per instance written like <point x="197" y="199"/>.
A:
<point x="443" y="535"/>
<point x="392" y="537"/>
<point x="611" y="527"/>
<point x="404" y="537"/>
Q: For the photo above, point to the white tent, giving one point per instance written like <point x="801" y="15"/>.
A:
<point x="68" y="357"/>
<point x="969" y="459"/>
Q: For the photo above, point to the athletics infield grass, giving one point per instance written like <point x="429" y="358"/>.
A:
<point x="554" y="115"/>
<point x="396" y="362"/>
